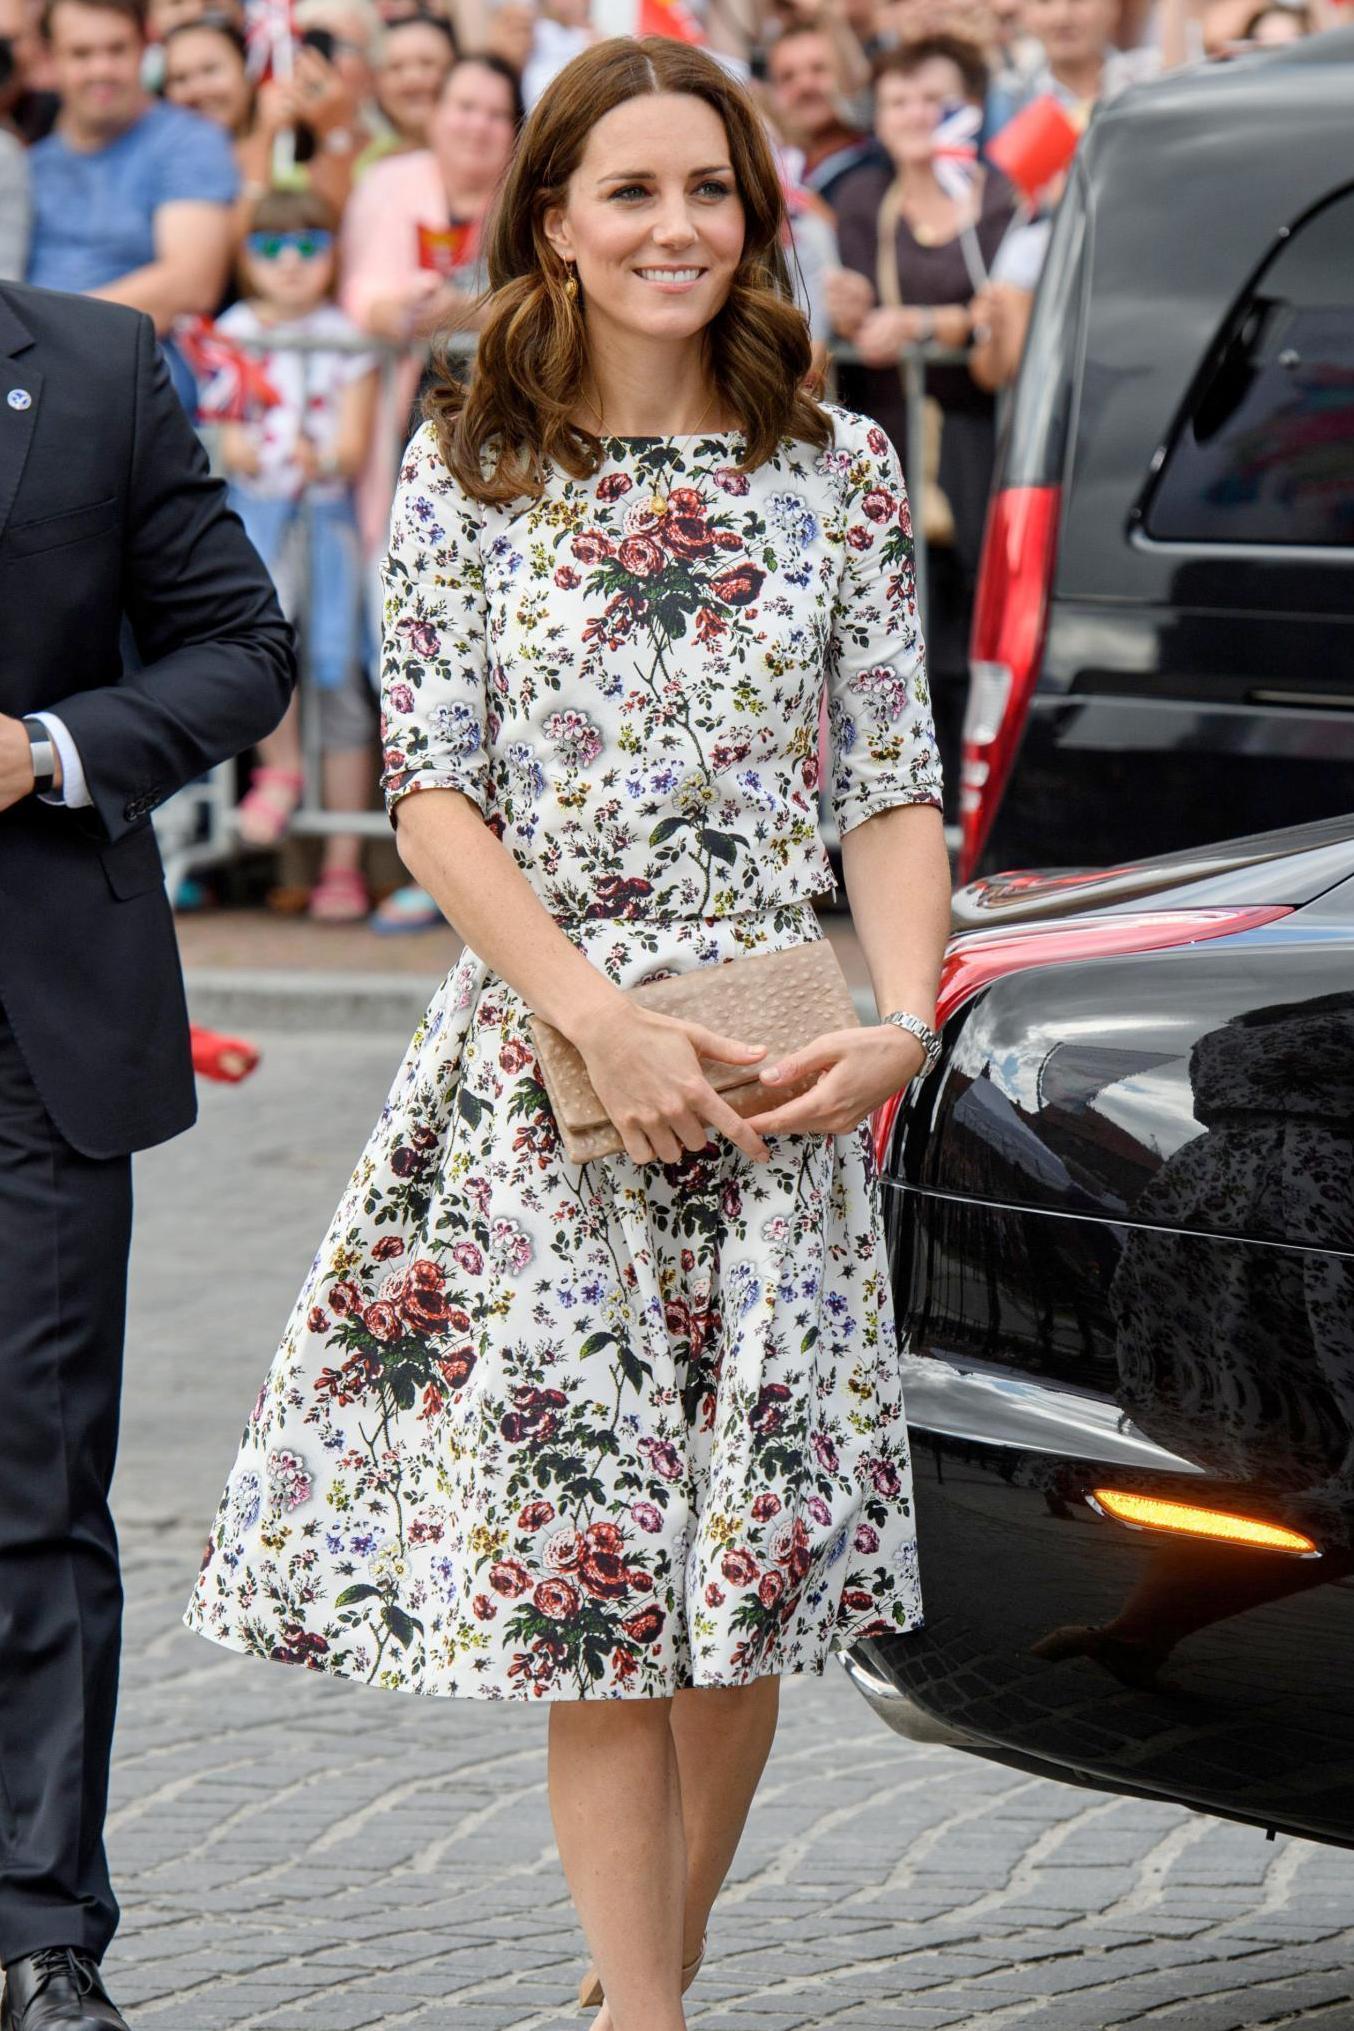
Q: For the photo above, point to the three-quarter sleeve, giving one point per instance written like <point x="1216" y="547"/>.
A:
<point x="882" y="739"/>
<point x="434" y="652"/>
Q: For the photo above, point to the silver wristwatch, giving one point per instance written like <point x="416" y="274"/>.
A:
<point x="903" y="1019"/>
<point x="44" y="755"/>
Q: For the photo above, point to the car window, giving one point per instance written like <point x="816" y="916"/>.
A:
<point x="1265" y="453"/>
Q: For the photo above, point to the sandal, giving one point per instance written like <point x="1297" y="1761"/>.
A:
<point x="408" y="909"/>
<point x="339" y="897"/>
<point x="590" y="1988"/>
<point x="267" y="807"/>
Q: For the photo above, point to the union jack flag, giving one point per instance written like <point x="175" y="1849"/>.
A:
<point x="954" y="149"/>
<point x="232" y="385"/>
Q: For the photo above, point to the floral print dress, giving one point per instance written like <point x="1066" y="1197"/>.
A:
<point x="539" y="1430"/>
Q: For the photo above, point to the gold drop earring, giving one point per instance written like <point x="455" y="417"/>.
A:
<point x="571" y="284"/>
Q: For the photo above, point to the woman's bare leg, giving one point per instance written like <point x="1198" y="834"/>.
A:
<point x="719" y="1738"/>
<point x="348" y="774"/>
<point x="723" y="1736"/>
<point x="615" y="1801"/>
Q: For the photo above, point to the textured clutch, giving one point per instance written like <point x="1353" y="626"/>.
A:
<point x="781" y="999"/>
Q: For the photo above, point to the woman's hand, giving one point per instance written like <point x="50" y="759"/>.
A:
<point x="323" y="100"/>
<point x="849" y="298"/>
<point x="277" y="105"/>
<point x="882" y="335"/>
<point x="237" y="450"/>
<point x="394" y="317"/>
<point x="857" y="1069"/>
<point x="647" y="1073"/>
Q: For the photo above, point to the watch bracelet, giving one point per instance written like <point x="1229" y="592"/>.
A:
<point x="916" y="1026"/>
<point x="41" y="744"/>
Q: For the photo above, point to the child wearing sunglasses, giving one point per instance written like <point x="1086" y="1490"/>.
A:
<point x="291" y="470"/>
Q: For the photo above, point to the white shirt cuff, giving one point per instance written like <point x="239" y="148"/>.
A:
<point x="74" y="789"/>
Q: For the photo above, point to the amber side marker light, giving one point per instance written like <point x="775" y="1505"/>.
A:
<point x="1151" y="1512"/>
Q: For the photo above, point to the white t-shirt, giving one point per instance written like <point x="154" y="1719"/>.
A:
<point x="1020" y="257"/>
<point x="311" y="386"/>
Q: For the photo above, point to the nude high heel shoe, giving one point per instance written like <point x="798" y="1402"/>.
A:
<point x="590" y="1988"/>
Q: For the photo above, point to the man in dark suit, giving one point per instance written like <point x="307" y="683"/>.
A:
<point x="107" y="509"/>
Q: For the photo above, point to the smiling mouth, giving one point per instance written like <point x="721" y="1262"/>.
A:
<point x="670" y="278"/>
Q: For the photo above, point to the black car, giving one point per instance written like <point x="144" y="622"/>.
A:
<point x="1163" y="642"/>
<point x="1120" y="1216"/>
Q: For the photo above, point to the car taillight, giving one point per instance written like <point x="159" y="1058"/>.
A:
<point x="975" y="961"/>
<point x="1010" y="614"/>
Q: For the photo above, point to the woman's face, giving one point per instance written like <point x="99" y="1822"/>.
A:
<point x="413" y="70"/>
<point x="907" y="109"/>
<point x="1279" y="25"/>
<point x="205" y="73"/>
<point x="653" y="217"/>
<point x="472" y="128"/>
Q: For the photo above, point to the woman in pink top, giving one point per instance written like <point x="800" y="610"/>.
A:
<point x="411" y="263"/>
<point x="411" y="267"/>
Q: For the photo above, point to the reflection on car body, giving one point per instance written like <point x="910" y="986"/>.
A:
<point x="1121" y="1225"/>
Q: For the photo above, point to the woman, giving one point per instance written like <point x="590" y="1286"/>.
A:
<point x="413" y="265"/>
<point x="626" y="1436"/>
<point x="206" y="70"/>
<point x="412" y="233"/>
<point x="913" y="259"/>
<point x="417" y="52"/>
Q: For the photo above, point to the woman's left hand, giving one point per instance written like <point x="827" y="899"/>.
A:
<point x="884" y="333"/>
<point x="857" y="1068"/>
<point x="323" y="101"/>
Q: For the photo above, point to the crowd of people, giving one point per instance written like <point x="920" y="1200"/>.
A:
<point x="334" y="194"/>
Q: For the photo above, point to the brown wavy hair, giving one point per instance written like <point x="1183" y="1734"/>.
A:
<point x="529" y="365"/>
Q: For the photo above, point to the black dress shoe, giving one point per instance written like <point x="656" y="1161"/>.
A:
<point x="57" y="1989"/>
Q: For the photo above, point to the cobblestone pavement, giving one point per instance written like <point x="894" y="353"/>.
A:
<point x="295" y="1853"/>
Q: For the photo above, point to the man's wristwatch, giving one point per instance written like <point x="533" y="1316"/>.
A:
<point x="44" y="756"/>
<point x="903" y="1019"/>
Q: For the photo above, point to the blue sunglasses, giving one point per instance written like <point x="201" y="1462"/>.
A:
<point x="309" y="244"/>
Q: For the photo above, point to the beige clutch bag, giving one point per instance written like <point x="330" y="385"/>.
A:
<point x="781" y="999"/>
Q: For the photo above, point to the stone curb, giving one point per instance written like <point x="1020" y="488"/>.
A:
<point x="280" y="998"/>
<point x="276" y="998"/>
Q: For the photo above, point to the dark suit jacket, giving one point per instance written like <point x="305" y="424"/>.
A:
<point x="107" y="507"/>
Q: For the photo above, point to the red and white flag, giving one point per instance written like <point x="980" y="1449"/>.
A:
<point x="269" y="32"/>
<point x="232" y="384"/>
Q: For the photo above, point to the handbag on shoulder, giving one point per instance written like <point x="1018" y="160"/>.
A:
<point x="781" y="999"/>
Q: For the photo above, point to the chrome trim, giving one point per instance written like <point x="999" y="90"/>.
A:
<point x="997" y="1408"/>
<point x="898" y="1709"/>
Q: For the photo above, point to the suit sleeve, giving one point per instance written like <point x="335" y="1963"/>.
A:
<point x="218" y="660"/>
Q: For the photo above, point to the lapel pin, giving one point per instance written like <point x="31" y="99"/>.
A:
<point x="19" y="398"/>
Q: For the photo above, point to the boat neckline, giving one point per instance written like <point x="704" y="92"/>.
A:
<point x="666" y="436"/>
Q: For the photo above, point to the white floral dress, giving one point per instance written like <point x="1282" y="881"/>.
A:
<point x="546" y="1431"/>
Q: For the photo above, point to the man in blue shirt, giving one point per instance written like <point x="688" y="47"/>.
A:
<point x="132" y="199"/>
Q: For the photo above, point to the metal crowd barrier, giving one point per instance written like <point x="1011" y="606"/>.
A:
<point x="198" y="828"/>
